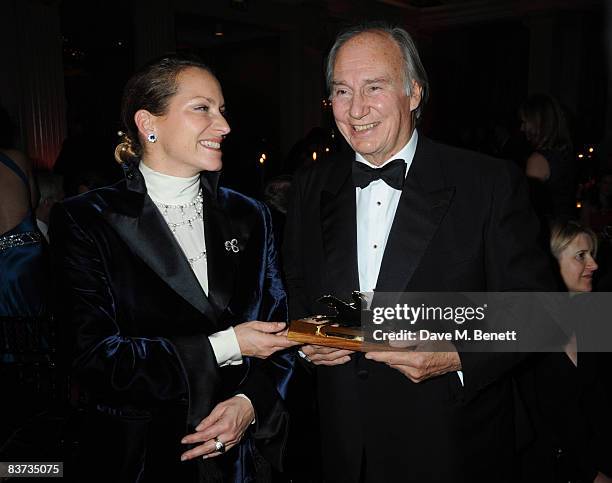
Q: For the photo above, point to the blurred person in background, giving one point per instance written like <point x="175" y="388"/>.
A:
<point x="92" y="179"/>
<point x="550" y="166"/>
<point x="23" y="287"/>
<point x="22" y="276"/>
<point x="276" y="197"/>
<point x="51" y="191"/>
<point x="596" y="210"/>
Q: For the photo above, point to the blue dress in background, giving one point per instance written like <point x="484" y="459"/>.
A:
<point x="22" y="265"/>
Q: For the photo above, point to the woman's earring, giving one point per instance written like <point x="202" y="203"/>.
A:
<point x="151" y="137"/>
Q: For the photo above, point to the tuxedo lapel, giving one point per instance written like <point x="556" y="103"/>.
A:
<point x="338" y="228"/>
<point x="226" y="238"/>
<point x="422" y="206"/>
<point x="138" y="222"/>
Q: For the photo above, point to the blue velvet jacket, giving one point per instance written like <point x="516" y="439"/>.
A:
<point x="139" y="325"/>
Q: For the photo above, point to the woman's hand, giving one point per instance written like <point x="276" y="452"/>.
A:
<point x="262" y="339"/>
<point x="226" y="423"/>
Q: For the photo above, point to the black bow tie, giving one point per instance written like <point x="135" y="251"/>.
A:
<point x="393" y="173"/>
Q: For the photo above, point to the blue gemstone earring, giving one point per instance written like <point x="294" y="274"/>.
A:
<point x="151" y="137"/>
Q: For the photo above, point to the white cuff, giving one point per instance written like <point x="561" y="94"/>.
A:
<point x="460" y="374"/>
<point x="226" y="348"/>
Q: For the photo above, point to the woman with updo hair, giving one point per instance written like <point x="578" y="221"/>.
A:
<point x="169" y="282"/>
<point x="550" y="166"/>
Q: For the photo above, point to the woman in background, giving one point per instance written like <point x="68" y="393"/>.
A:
<point x="567" y="394"/>
<point x="550" y="166"/>
<point x="575" y="248"/>
<point x="167" y="279"/>
<point x="23" y="283"/>
<point x="22" y="267"/>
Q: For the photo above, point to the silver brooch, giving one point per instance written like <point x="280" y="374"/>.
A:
<point x="232" y="245"/>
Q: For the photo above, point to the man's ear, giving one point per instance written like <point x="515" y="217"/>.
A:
<point x="145" y="122"/>
<point x="415" y="95"/>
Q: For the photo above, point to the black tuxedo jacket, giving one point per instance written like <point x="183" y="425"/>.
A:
<point x="140" y="323"/>
<point x="463" y="223"/>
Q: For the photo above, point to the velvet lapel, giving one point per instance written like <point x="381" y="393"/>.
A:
<point x="424" y="201"/>
<point x="141" y="226"/>
<point x="220" y="230"/>
<point x="338" y="228"/>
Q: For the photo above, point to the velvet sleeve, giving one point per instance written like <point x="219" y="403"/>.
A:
<point x="118" y="368"/>
<point x="267" y="380"/>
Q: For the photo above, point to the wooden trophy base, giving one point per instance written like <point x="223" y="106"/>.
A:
<point x="321" y="330"/>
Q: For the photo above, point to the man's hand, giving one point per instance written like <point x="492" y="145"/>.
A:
<point x="227" y="422"/>
<point x="262" y="339"/>
<point x="326" y="356"/>
<point x="419" y="365"/>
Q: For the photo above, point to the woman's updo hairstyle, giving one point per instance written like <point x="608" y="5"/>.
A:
<point x="151" y="89"/>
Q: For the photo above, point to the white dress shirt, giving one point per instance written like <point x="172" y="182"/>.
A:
<point x="171" y="190"/>
<point x="376" y="207"/>
<point x="44" y="228"/>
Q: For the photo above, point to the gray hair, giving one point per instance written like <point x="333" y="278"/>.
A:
<point x="413" y="68"/>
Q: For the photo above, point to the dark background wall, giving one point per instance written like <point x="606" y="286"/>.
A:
<point x="66" y="63"/>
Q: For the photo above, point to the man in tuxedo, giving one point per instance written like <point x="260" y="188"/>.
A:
<point x="404" y="214"/>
